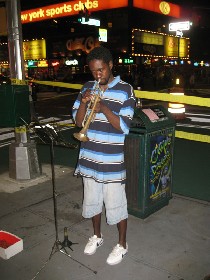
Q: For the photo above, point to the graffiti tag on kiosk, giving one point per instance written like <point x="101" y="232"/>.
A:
<point x="160" y="166"/>
<point x="84" y="44"/>
<point x="160" y="157"/>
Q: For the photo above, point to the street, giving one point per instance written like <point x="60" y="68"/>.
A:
<point x="191" y="158"/>
<point x="56" y="107"/>
<point x="50" y="107"/>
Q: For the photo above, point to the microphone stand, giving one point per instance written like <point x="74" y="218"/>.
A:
<point x="48" y="135"/>
<point x="58" y="245"/>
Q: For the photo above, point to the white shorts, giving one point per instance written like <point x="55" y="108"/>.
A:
<point x="111" y="194"/>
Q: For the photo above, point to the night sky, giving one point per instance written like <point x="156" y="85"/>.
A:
<point x="201" y="7"/>
<point x="27" y="4"/>
<point x="194" y="3"/>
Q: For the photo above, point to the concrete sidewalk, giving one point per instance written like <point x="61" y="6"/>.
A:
<point x="173" y="243"/>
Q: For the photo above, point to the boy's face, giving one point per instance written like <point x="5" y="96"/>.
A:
<point x="101" y="71"/>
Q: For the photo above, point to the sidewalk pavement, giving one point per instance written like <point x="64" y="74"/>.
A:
<point x="172" y="243"/>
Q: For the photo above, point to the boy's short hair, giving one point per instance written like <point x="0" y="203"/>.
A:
<point x="100" y="53"/>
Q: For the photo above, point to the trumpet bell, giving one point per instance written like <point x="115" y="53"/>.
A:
<point x="81" y="137"/>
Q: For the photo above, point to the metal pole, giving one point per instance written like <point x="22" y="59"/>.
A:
<point x="178" y="50"/>
<point x="15" y="39"/>
<point x="23" y="158"/>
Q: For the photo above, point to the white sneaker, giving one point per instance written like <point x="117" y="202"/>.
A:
<point x="93" y="243"/>
<point x="117" y="254"/>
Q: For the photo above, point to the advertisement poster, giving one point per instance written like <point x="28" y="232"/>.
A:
<point x="34" y="49"/>
<point x="157" y="44"/>
<point x="171" y="46"/>
<point x="160" y="167"/>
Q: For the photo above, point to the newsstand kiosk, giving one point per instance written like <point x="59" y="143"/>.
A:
<point x="149" y="160"/>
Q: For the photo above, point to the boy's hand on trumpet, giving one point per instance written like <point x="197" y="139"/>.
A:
<point x="99" y="106"/>
<point x="87" y="96"/>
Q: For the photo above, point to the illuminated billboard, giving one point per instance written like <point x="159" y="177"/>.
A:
<point x="183" y="25"/>
<point x="91" y="21"/>
<point x="154" y="44"/>
<point x="102" y="35"/>
<point x="34" y="49"/>
<point x="157" y="6"/>
<point x="34" y="63"/>
<point x="69" y="8"/>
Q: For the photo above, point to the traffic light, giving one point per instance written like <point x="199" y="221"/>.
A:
<point x="84" y="14"/>
<point x="80" y="16"/>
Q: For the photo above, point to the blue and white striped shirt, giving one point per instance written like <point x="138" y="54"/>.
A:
<point x="102" y="157"/>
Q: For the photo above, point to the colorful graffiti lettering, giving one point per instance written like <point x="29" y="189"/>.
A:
<point x="160" y="164"/>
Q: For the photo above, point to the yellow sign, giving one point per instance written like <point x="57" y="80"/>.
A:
<point x="20" y="129"/>
<point x="42" y="63"/>
<point x="153" y="43"/>
<point x="102" y="35"/>
<point x="184" y="47"/>
<point x="148" y="38"/>
<point x="171" y="46"/>
<point x="18" y="82"/>
<point x="34" y="49"/>
<point x="164" y="7"/>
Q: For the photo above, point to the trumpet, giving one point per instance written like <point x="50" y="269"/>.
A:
<point x="82" y="135"/>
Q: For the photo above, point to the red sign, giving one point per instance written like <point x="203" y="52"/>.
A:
<point x="157" y="6"/>
<point x="69" y="9"/>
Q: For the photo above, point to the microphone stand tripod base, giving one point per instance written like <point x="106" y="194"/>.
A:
<point x="58" y="247"/>
<point x="61" y="247"/>
<point x="66" y="242"/>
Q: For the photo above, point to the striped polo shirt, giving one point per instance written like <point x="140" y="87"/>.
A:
<point x="102" y="157"/>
